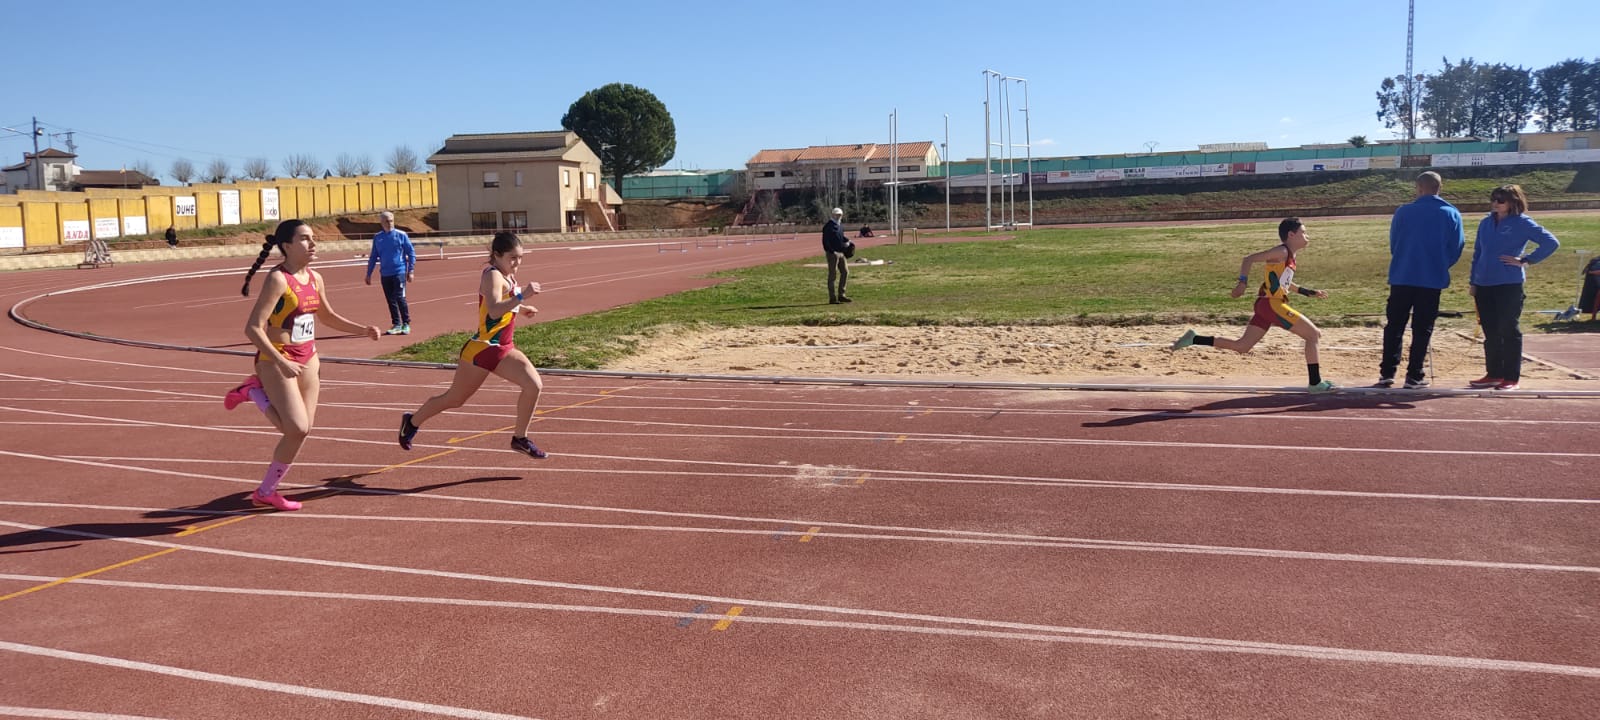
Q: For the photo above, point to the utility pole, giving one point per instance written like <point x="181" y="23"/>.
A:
<point x="35" y="183"/>
<point x="946" y="160"/>
<point x="1411" y="86"/>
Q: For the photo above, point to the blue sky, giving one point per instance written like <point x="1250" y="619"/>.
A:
<point x="238" y="80"/>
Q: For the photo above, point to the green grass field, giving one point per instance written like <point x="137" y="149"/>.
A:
<point x="1104" y="276"/>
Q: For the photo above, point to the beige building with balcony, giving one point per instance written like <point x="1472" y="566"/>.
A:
<point x="840" y="165"/>
<point x="523" y="182"/>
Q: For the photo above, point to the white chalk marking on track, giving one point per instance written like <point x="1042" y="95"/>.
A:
<point x="1076" y="542"/>
<point x="990" y="628"/>
<point x="886" y="476"/>
<point x="1086" y="544"/>
<point x="33" y="712"/>
<point x="779" y="434"/>
<point x="254" y="684"/>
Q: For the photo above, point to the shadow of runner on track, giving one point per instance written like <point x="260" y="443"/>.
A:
<point x="177" y="520"/>
<point x="1270" y="405"/>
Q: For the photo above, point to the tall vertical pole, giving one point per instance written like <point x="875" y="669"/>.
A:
<point x="1411" y="85"/>
<point x="946" y="161"/>
<point x="988" y="174"/>
<point x="1027" y="144"/>
<point x="34" y="181"/>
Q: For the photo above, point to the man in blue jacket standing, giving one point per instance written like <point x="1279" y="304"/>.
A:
<point x="391" y="249"/>
<point x="1425" y="241"/>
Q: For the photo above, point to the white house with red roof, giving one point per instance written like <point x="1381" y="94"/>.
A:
<point x="840" y="165"/>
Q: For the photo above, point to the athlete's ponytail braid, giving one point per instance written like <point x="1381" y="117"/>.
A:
<point x="283" y="234"/>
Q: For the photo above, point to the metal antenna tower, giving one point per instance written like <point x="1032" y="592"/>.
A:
<point x="1411" y="83"/>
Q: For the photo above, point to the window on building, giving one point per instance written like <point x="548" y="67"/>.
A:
<point x="517" y="178"/>
<point x="768" y="173"/>
<point x="484" y="221"/>
<point x="566" y="178"/>
<point x="908" y="168"/>
<point x="1578" y="143"/>
<point x="588" y="180"/>
<point x="491" y="179"/>
<point x="851" y="173"/>
<point x="514" y="220"/>
<point x="787" y="173"/>
<point x="880" y="169"/>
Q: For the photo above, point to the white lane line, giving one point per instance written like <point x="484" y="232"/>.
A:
<point x="918" y="437"/>
<point x="1193" y="643"/>
<point x="254" y="684"/>
<point x="33" y="712"/>
<point x="1075" y="542"/>
<point x="886" y="476"/>
<point x="1080" y="544"/>
<point x="993" y="629"/>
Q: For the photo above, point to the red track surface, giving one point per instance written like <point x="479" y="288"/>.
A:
<point x="720" y="550"/>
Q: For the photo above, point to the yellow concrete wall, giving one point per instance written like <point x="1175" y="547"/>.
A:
<point x="41" y="212"/>
<point x="40" y="224"/>
<point x="134" y="207"/>
<point x="104" y="207"/>
<point x="1554" y="140"/>
<point x="249" y="204"/>
<point x="11" y="217"/>
<point x="305" y="198"/>
<point x="208" y="207"/>
<point x="158" y="212"/>
<point x="68" y="212"/>
<point x="288" y="203"/>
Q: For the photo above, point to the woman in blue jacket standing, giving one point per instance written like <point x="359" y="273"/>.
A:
<point x="1499" y="268"/>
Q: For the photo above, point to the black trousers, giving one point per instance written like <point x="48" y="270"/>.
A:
<point x="1499" y="309"/>
<point x="1420" y="306"/>
<point x="394" y="291"/>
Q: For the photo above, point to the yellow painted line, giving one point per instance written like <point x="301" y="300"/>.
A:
<point x="425" y="458"/>
<point x="196" y="529"/>
<point x="727" y="618"/>
<point x="809" y="534"/>
<point x="862" y="480"/>
<point x="900" y="440"/>
<point x="929" y="411"/>
<point x="107" y="568"/>
<point x="569" y="407"/>
<point x="453" y="441"/>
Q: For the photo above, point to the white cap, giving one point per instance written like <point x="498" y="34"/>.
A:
<point x="837" y="211"/>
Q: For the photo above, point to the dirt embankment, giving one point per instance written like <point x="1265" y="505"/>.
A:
<point x="646" y="214"/>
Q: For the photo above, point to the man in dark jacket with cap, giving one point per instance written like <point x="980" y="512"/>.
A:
<point x="833" y="243"/>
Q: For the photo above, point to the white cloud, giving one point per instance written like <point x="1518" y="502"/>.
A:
<point x="1046" y="141"/>
<point x="1286" y="121"/>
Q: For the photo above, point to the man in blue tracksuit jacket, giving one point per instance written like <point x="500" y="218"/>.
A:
<point x="1425" y="241"/>
<point x="392" y="250"/>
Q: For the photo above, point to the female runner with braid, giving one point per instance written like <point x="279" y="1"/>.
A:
<point x="283" y="327"/>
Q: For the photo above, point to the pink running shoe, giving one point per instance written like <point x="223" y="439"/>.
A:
<point x="275" y="500"/>
<point x="240" y="394"/>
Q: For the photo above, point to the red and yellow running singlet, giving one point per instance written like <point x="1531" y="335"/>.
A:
<point x="494" y="337"/>
<point x="296" y="312"/>
<point x="1272" y="299"/>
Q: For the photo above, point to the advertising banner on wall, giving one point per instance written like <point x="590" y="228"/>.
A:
<point x="269" y="203"/>
<point x="74" y="230"/>
<point x="228" y="203"/>
<point x="134" y="225"/>
<point x="10" y="237"/>
<point x="106" y="228"/>
<point x="184" y="206"/>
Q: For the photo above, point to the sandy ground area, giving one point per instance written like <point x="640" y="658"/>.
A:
<point x="1051" y="354"/>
